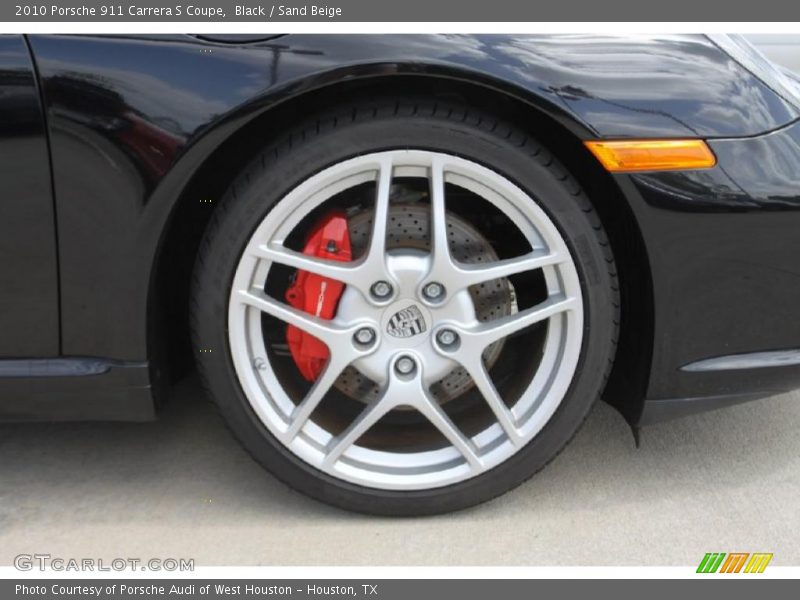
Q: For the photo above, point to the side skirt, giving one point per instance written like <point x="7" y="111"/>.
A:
<point x="741" y="378"/>
<point x="75" y="389"/>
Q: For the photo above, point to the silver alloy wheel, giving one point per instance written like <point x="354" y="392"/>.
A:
<point x="409" y="274"/>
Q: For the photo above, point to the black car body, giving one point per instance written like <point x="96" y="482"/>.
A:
<point x="113" y="151"/>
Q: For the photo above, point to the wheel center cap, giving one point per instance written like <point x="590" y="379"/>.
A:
<point x="406" y="324"/>
<point x="406" y="319"/>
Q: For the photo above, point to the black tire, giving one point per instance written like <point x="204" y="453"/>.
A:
<point x="384" y="124"/>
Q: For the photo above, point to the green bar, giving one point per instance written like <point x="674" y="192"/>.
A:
<point x="711" y="562"/>
<point x="718" y="563"/>
<point x="700" y="568"/>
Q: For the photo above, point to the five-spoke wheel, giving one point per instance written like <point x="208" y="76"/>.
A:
<point x="419" y="307"/>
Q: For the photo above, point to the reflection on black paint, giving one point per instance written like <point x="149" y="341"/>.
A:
<point x="88" y="100"/>
<point x="755" y="174"/>
<point x="28" y="274"/>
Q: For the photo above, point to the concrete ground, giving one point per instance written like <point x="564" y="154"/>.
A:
<point x="181" y="487"/>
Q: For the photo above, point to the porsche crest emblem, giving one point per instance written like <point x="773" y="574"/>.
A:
<point x="406" y="323"/>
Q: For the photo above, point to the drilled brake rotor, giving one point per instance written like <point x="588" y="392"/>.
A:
<point x="409" y="227"/>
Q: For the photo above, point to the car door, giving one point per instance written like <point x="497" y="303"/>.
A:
<point x="29" y="320"/>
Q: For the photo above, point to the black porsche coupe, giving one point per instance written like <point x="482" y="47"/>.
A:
<point x="405" y="266"/>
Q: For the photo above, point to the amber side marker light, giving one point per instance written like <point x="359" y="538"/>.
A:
<point x="619" y="156"/>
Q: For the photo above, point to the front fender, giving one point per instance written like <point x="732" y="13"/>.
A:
<point x="131" y="120"/>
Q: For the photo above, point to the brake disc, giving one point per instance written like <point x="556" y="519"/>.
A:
<point x="409" y="227"/>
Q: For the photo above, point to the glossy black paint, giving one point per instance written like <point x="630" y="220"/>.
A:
<point x="28" y="269"/>
<point x="132" y="122"/>
<point x="724" y="245"/>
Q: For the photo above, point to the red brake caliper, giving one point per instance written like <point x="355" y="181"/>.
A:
<point x="317" y="295"/>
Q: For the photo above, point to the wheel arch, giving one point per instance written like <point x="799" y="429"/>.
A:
<point x="226" y="148"/>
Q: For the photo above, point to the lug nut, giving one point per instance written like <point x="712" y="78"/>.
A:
<point x="433" y="291"/>
<point x="405" y="365"/>
<point x="365" y="336"/>
<point x="381" y="289"/>
<point x="447" y="337"/>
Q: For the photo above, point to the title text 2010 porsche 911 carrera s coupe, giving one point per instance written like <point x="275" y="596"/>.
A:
<point x="405" y="266"/>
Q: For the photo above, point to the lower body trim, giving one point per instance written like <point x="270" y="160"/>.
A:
<point x="75" y="389"/>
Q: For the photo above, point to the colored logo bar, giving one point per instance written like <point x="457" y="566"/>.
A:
<point x="734" y="562"/>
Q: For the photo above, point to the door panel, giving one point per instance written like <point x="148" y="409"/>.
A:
<point x="28" y="265"/>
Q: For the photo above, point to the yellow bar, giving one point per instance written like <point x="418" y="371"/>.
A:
<point x="758" y="563"/>
<point x="621" y="156"/>
<point x="753" y="564"/>
<point x="765" y="562"/>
